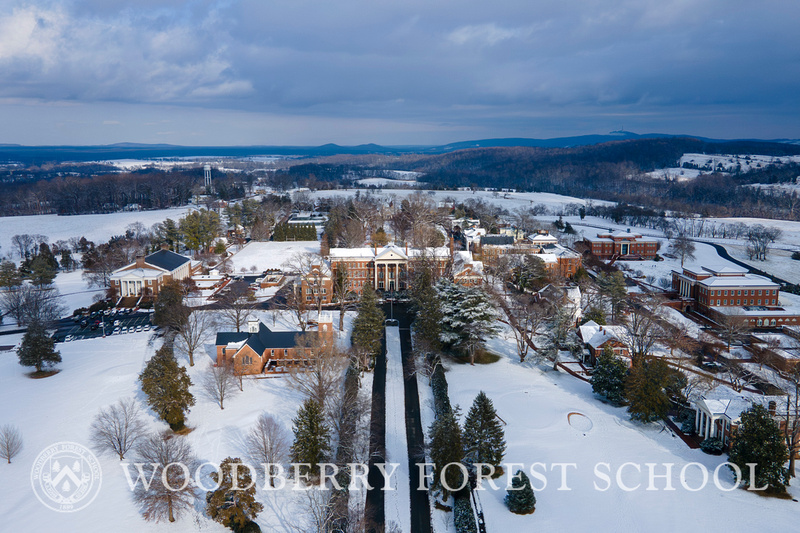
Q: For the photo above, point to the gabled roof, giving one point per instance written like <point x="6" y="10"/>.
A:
<point x="596" y="335"/>
<point x="166" y="259"/>
<point x="497" y="239"/>
<point x="391" y="249"/>
<point x="264" y="340"/>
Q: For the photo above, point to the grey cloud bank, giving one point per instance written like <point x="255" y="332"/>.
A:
<point x="412" y="72"/>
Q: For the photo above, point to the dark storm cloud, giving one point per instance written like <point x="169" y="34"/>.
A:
<point x="443" y="69"/>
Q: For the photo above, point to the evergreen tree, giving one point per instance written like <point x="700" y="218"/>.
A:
<point x="484" y="441"/>
<point x="41" y="271"/>
<point x="609" y="375"/>
<point x="645" y="389"/>
<point x="468" y="317"/>
<point x="368" y="325"/>
<point x="520" y="498"/>
<point x="759" y="440"/>
<point x="447" y="447"/>
<point x="612" y="286"/>
<point x="311" y="437"/>
<point x="169" y="311"/>
<point x="9" y="275"/>
<point x="37" y="348"/>
<point x="233" y="507"/>
<point x="167" y="388"/>
<point x="428" y="319"/>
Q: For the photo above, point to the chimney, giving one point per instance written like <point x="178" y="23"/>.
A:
<point x="772" y="407"/>
<point x="140" y="261"/>
<point x="452" y="246"/>
<point x="406" y="248"/>
<point x="164" y="246"/>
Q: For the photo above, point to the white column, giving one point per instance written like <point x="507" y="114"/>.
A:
<point x="375" y="283"/>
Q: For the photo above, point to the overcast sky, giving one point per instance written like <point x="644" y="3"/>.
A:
<point x="296" y="72"/>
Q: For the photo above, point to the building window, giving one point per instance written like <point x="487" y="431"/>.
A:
<point x="759" y="301"/>
<point x="717" y="302"/>
<point x="738" y="302"/>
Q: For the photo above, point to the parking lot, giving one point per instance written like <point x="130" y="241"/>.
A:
<point x="117" y="324"/>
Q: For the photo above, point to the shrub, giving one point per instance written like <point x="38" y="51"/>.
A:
<point x="712" y="446"/>
<point x="441" y="400"/>
<point x="796" y="256"/>
<point x="462" y="514"/>
<point x="520" y="498"/>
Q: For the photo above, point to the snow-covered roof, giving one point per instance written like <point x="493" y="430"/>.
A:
<point x="146" y="273"/>
<point x="596" y="335"/>
<point x="747" y="280"/>
<point x="723" y="401"/>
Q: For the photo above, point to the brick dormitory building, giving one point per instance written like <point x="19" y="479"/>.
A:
<point x="623" y="245"/>
<point x="722" y="292"/>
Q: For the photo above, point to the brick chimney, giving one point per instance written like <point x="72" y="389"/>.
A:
<point x="164" y="246"/>
<point x="140" y="261"/>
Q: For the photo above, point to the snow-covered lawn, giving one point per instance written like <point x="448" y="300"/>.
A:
<point x="536" y="406"/>
<point x="266" y="255"/>
<point x="97" y="228"/>
<point x="95" y="373"/>
<point x="779" y="261"/>
<point x="75" y="291"/>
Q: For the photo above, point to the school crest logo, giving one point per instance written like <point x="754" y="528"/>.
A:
<point x="66" y="477"/>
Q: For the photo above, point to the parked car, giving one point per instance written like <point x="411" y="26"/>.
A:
<point x="116" y="322"/>
<point x="139" y="329"/>
<point x="117" y="331"/>
<point x="68" y="338"/>
<point x="147" y="327"/>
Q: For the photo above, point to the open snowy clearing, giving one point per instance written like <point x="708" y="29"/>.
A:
<point x="97" y="228"/>
<point x="96" y="373"/>
<point x="536" y="407"/>
<point x="256" y="257"/>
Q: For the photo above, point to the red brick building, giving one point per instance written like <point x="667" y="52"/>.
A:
<point x="259" y="350"/>
<point x="623" y="245"/>
<point x="720" y="292"/>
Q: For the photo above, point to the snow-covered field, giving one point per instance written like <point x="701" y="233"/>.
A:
<point x="675" y="174"/>
<point x="97" y="228"/>
<point x="536" y="405"/>
<point x="510" y="201"/>
<point x="260" y="256"/>
<point x="729" y="162"/>
<point x="96" y="373"/>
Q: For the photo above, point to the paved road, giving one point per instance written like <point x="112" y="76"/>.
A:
<point x="374" y="512"/>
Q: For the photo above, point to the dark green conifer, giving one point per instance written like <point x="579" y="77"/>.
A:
<point x="311" y="437"/>
<point x="167" y="388"/>
<point x="484" y="441"/>
<point x="520" y="498"/>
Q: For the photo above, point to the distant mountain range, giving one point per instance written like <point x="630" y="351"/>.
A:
<point x="43" y="154"/>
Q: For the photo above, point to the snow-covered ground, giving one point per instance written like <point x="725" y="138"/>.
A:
<point x="536" y="405"/>
<point x="728" y="162"/>
<point x="510" y="200"/>
<point x="97" y="228"/>
<point x="387" y="182"/>
<point x="96" y="373"/>
<point x="398" y="501"/>
<point x="259" y="256"/>
<point x="675" y="174"/>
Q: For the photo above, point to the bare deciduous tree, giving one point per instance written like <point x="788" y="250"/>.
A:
<point x="683" y="248"/>
<point x="237" y="305"/>
<point x="194" y="332"/>
<point x="117" y="428"/>
<point x="10" y="442"/>
<point x="268" y="443"/>
<point x="219" y="382"/>
<point x="27" y="303"/>
<point x="732" y="326"/>
<point x="323" y="375"/>
<point x="642" y="328"/>
<point x="166" y="489"/>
